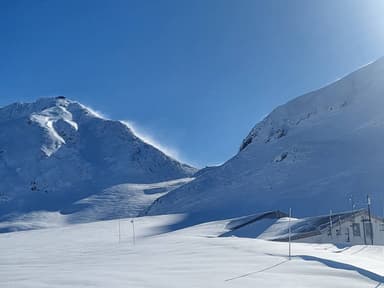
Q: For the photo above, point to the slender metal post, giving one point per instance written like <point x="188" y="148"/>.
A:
<point x="370" y="217"/>
<point x="133" y="232"/>
<point x="119" y="231"/>
<point x="353" y="205"/>
<point x="289" y="234"/>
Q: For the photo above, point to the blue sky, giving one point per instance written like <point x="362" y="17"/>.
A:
<point x="195" y="76"/>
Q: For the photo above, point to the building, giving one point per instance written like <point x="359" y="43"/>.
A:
<point x="349" y="228"/>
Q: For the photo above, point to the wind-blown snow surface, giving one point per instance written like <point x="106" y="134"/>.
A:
<point x="91" y="255"/>
<point x="311" y="154"/>
<point x="54" y="152"/>
<point x="124" y="200"/>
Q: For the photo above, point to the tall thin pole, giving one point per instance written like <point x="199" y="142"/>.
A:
<point x="133" y="232"/>
<point x="353" y="206"/>
<point x="289" y="234"/>
<point x="370" y="217"/>
<point x="119" y="232"/>
<point x="330" y="222"/>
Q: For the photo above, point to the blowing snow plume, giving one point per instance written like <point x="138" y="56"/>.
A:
<point x="55" y="151"/>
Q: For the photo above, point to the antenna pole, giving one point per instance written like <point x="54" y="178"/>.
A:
<point x="119" y="231"/>
<point x="370" y="217"/>
<point x="330" y="222"/>
<point x="289" y="234"/>
<point x="133" y="232"/>
<point x="352" y="203"/>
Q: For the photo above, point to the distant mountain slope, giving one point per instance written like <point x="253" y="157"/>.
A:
<point x="321" y="151"/>
<point x="120" y="201"/>
<point x="55" y="151"/>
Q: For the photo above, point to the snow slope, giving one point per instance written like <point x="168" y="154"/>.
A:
<point x="91" y="255"/>
<point x="124" y="200"/>
<point x="55" y="151"/>
<point x="320" y="151"/>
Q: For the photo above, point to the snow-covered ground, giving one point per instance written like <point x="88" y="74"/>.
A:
<point x="91" y="255"/>
<point x="120" y="201"/>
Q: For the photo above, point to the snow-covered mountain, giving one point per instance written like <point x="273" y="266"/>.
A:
<point x="320" y="151"/>
<point x="55" y="151"/>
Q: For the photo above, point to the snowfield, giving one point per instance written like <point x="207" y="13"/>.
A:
<point x="91" y="255"/>
<point x="119" y="201"/>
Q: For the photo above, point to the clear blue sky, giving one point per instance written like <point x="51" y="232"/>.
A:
<point x="193" y="75"/>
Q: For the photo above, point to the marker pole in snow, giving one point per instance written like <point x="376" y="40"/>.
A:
<point x="133" y="232"/>
<point x="119" y="232"/>
<point x="289" y="234"/>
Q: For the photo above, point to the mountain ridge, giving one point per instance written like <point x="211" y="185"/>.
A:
<point x="318" y="152"/>
<point x="55" y="151"/>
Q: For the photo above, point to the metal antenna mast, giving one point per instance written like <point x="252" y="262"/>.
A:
<point x="289" y="234"/>
<point x="370" y="217"/>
